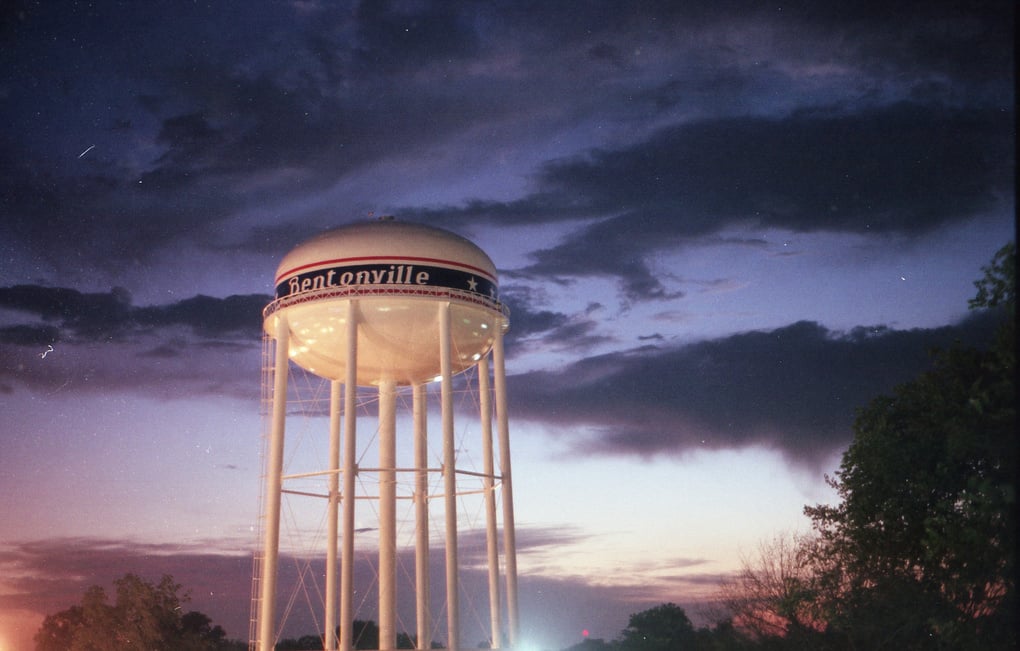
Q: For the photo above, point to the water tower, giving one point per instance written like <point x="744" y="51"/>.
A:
<point x="391" y="307"/>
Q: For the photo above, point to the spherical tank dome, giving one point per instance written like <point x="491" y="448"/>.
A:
<point x="392" y="279"/>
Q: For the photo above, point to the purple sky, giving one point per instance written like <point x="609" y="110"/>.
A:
<point x="720" y="227"/>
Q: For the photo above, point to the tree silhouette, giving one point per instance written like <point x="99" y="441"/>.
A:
<point x="920" y="550"/>
<point x="663" y="628"/>
<point x="57" y="631"/>
<point x="775" y="592"/>
<point x="143" y="616"/>
<point x="366" y="634"/>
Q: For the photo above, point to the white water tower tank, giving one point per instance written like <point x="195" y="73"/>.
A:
<point x="398" y="272"/>
<point x="393" y="306"/>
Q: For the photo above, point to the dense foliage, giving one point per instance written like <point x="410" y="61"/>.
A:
<point x="365" y="636"/>
<point x="920" y="551"/>
<point x="667" y="628"/>
<point x="143" y="616"/>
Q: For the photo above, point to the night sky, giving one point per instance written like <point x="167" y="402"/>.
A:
<point x="720" y="228"/>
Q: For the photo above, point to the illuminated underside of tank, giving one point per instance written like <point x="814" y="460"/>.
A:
<point x="398" y="336"/>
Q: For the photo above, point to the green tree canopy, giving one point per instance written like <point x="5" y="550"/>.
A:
<point x="143" y="616"/>
<point x="920" y="550"/>
<point x="662" y="628"/>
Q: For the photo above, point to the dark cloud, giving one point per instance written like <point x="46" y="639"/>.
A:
<point x="392" y="36"/>
<point x="110" y="316"/>
<point x="187" y="137"/>
<point x="968" y="42"/>
<point x="560" y="331"/>
<point x="100" y="341"/>
<point x="287" y="101"/>
<point x="794" y="389"/>
<point x="29" y="335"/>
<point x="237" y="316"/>
<point x="89" y="316"/>
<point x="905" y="169"/>
<point x="960" y="40"/>
<point x="526" y="322"/>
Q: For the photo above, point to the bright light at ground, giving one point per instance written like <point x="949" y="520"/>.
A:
<point x="16" y="626"/>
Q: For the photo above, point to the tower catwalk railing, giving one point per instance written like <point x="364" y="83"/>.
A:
<point x="365" y="291"/>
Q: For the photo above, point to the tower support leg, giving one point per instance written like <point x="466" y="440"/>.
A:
<point x="330" y="640"/>
<point x="449" y="480"/>
<point x="387" y="516"/>
<point x="489" y="492"/>
<point x="274" y="486"/>
<point x="349" y="471"/>
<point x="509" y="536"/>
<point x="423" y="615"/>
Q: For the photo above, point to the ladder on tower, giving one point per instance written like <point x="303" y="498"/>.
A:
<point x="258" y="555"/>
